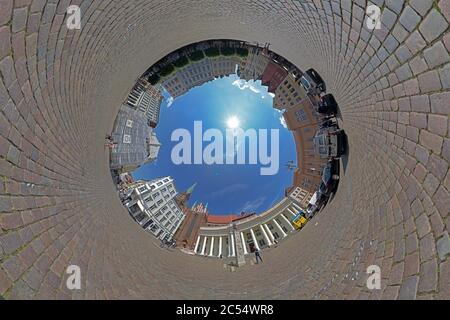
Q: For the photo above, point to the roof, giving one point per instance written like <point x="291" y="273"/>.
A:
<point x="226" y="219"/>
<point x="216" y="219"/>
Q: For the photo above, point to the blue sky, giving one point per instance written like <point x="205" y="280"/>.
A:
<point x="226" y="188"/>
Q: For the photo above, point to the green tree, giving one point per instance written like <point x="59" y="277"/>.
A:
<point x="153" y="79"/>
<point x="196" y="55"/>
<point x="167" y="70"/>
<point x="242" y="52"/>
<point x="212" y="52"/>
<point x="181" y="62"/>
<point x="227" y="51"/>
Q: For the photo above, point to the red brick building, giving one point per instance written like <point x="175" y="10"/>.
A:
<point x="273" y="76"/>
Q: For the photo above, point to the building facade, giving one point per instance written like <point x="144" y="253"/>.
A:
<point x="255" y="231"/>
<point x="253" y="66"/>
<point x="302" y="120"/>
<point x="147" y="99"/>
<point x="289" y="93"/>
<point x="153" y="206"/>
<point x="273" y="75"/>
<point x="299" y="195"/>
<point x="197" y="73"/>
<point x="137" y="143"/>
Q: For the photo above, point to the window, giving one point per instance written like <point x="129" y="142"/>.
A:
<point x="301" y="115"/>
<point x="126" y="138"/>
<point x="140" y="216"/>
<point x="129" y="123"/>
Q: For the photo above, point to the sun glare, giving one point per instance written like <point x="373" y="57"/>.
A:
<point x="233" y="122"/>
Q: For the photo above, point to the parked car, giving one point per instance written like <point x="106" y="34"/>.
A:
<point x="328" y="123"/>
<point x="329" y="141"/>
<point x="330" y="178"/>
<point x="327" y="105"/>
<point x="312" y="82"/>
<point x="315" y="204"/>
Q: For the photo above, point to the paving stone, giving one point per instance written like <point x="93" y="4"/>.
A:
<point x="438" y="103"/>
<point x="409" y="19"/>
<point x="415" y="42"/>
<point x="408" y="290"/>
<point x="444" y="74"/>
<point x="19" y="19"/>
<point x="412" y="263"/>
<point x="428" y="276"/>
<point x="5" y="11"/>
<point x="436" y="55"/>
<point x="431" y="184"/>
<point x="421" y="6"/>
<point x="395" y="5"/>
<point x="433" y="26"/>
<point x="438" y="166"/>
<point x="427" y="247"/>
<point x="431" y="141"/>
<point x="392" y="86"/>
<point x="429" y="81"/>
<point x="443" y="246"/>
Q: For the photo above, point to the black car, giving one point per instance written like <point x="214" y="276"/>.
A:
<point x="329" y="140"/>
<point x="327" y="105"/>
<point x="312" y="82"/>
<point x="330" y="178"/>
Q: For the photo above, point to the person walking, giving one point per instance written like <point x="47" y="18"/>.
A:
<point x="257" y="255"/>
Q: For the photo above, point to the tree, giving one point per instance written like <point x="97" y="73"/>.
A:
<point x="212" y="52"/>
<point x="242" y="52"/>
<point x="227" y="51"/>
<point x="153" y="79"/>
<point x="196" y="55"/>
<point x="181" y="62"/>
<point x="167" y="70"/>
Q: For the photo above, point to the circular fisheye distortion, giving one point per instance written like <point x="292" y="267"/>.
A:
<point x="227" y="150"/>
<point x="254" y="142"/>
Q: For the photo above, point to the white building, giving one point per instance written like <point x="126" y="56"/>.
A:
<point x="300" y="196"/>
<point x="197" y="73"/>
<point x="147" y="99"/>
<point x="153" y="206"/>
<point x="256" y="231"/>
<point x="137" y="143"/>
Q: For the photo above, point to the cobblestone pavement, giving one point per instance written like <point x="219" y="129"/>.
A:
<point x="60" y="90"/>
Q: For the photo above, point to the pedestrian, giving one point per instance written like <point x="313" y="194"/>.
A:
<point x="257" y="255"/>
<point x="111" y="144"/>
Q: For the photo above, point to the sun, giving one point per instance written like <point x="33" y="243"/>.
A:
<point x="233" y="122"/>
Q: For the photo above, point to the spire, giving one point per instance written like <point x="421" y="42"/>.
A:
<point x="191" y="188"/>
<point x="193" y="206"/>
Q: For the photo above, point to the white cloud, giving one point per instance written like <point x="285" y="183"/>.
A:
<point x="242" y="84"/>
<point x="283" y="122"/>
<point x="169" y="101"/>
<point x="230" y="189"/>
<point x="253" y="205"/>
